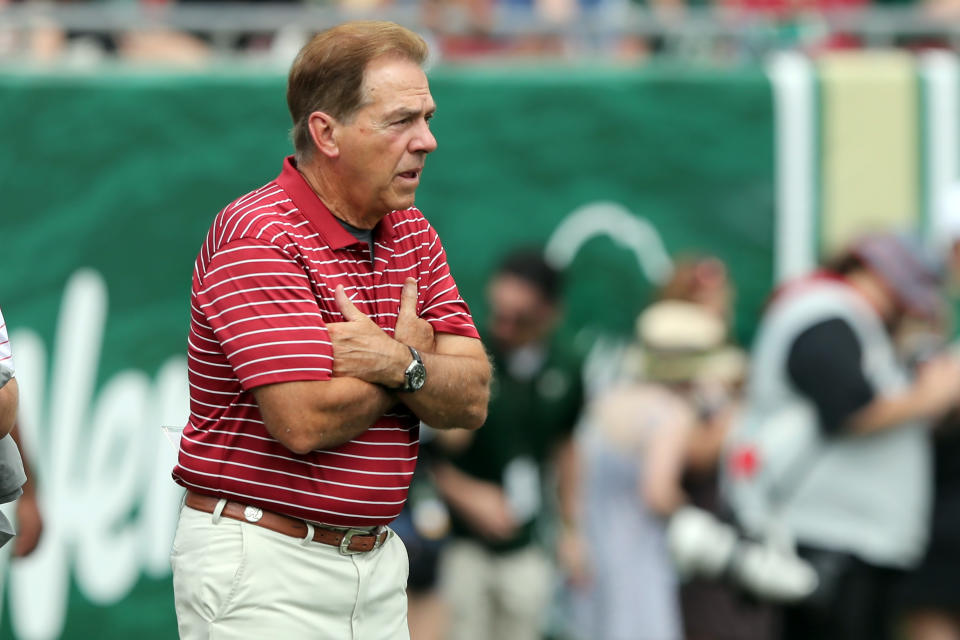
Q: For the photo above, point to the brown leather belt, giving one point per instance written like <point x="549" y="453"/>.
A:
<point x="348" y="540"/>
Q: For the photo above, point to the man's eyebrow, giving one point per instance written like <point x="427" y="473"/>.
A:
<point x="406" y="112"/>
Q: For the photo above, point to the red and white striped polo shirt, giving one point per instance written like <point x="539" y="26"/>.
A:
<point x="263" y="291"/>
<point x="6" y="353"/>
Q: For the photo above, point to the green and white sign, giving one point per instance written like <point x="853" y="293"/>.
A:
<point x="110" y="181"/>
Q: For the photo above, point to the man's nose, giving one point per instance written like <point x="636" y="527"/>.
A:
<point x="423" y="141"/>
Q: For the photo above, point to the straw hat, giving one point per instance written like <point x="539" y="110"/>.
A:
<point x="682" y="341"/>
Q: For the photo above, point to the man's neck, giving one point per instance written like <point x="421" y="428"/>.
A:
<point x="326" y="188"/>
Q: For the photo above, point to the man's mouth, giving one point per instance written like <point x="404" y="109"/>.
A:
<point x="410" y="175"/>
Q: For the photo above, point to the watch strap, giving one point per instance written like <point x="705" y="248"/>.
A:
<point x="415" y="354"/>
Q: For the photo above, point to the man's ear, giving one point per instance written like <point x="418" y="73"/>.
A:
<point x="323" y="130"/>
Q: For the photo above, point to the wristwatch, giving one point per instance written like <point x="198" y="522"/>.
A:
<point x="416" y="374"/>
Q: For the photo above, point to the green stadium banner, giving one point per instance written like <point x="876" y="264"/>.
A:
<point x="109" y="182"/>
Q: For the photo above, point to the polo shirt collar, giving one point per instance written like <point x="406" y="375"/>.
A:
<point x="317" y="213"/>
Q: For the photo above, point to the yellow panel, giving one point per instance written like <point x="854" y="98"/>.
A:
<point x="870" y="144"/>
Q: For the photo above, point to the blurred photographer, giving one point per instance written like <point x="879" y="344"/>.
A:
<point x="832" y="453"/>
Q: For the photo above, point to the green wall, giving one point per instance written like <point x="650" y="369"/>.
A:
<point x="121" y="174"/>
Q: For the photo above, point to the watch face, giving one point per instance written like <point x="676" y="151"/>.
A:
<point x="416" y="376"/>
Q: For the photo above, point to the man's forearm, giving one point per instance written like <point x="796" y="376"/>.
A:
<point x="455" y="394"/>
<point x="9" y="400"/>
<point x="568" y="482"/>
<point x="888" y="412"/>
<point x="305" y="416"/>
<point x="353" y="407"/>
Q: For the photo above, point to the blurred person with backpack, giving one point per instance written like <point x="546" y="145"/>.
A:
<point x="831" y="454"/>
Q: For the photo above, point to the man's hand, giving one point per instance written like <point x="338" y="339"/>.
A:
<point x="573" y="556"/>
<point x="482" y="504"/>
<point x="362" y="350"/>
<point x="458" y="371"/>
<point x="488" y="512"/>
<point x="937" y="383"/>
<point x="412" y="330"/>
<point x="933" y="393"/>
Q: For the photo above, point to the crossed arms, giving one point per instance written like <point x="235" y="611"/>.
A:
<point x="368" y="364"/>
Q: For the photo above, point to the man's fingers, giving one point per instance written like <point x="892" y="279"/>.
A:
<point x="347" y="310"/>
<point x="408" y="298"/>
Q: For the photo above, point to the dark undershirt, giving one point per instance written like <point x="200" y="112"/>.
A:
<point x="826" y="365"/>
<point x="363" y="235"/>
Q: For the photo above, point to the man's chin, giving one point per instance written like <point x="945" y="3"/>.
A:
<point x="402" y="202"/>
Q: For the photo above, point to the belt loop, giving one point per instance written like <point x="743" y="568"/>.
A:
<point x="218" y="510"/>
<point x="309" y="537"/>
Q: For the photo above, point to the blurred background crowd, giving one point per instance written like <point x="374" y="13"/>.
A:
<point x="269" y="32"/>
<point x="806" y="489"/>
<point x="788" y="467"/>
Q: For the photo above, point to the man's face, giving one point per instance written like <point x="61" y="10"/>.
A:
<point x="384" y="146"/>
<point x="519" y="314"/>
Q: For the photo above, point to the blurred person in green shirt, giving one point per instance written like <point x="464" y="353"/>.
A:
<point x="495" y="575"/>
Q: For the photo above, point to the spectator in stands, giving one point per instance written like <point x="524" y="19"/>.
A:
<point x="832" y="450"/>
<point x="495" y="575"/>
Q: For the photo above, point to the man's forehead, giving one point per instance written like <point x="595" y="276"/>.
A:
<point x="398" y="85"/>
<point x="409" y="104"/>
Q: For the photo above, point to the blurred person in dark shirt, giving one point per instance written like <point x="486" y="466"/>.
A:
<point x="495" y="572"/>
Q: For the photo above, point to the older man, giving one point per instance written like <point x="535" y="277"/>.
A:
<point x="325" y="326"/>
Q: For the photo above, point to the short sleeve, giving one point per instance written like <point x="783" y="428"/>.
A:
<point x="6" y="352"/>
<point x="442" y="305"/>
<point x="826" y="365"/>
<point x="260" y="306"/>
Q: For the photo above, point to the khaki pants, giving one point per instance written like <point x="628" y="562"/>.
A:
<point x="233" y="580"/>
<point x="495" y="596"/>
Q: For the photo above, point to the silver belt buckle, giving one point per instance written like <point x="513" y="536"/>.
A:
<point x="347" y="538"/>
